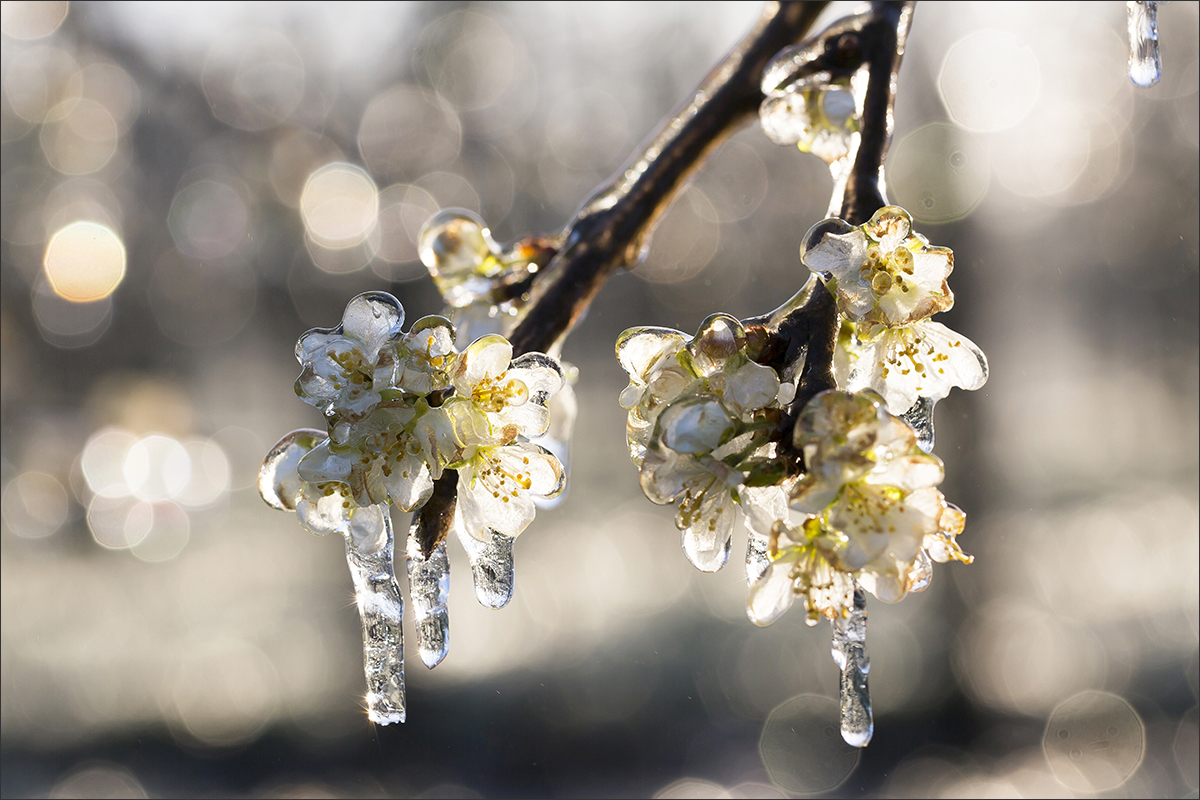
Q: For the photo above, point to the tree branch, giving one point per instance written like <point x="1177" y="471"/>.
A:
<point x="612" y="228"/>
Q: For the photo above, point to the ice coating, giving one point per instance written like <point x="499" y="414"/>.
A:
<point x="850" y="654"/>
<point x="381" y="607"/>
<point x="429" y="590"/>
<point x="1145" y="63"/>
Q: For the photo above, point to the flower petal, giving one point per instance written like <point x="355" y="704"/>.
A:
<point x="925" y="359"/>
<point x="764" y="506"/>
<point x="638" y="349"/>
<point x="373" y="318"/>
<point x="368" y="529"/>
<point x="409" y="484"/>
<point x="484" y="508"/>
<point x="753" y="386"/>
<point x="322" y="464"/>
<point x="772" y="594"/>
<point x="707" y="534"/>
<point x="324" y="514"/>
<point x="279" y="480"/>
<point x="839" y="255"/>
<point x="486" y="357"/>
<point x="694" y="425"/>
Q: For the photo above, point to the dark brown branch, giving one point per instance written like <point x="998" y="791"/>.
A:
<point x="431" y="524"/>
<point x="880" y="44"/>
<point x="612" y="227"/>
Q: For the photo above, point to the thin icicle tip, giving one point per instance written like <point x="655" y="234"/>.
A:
<point x="1145" y="63"/>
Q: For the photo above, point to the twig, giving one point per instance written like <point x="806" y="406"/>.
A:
<point x="613" y="227"/>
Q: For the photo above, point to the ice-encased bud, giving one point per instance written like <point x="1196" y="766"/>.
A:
<point x="819" y="118"/>
<point x="720" y="336"/>
<point x="279" y="481"/>
<point x="457" y="249"/>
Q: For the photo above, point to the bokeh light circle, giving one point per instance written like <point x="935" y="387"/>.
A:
<point x="35" y="505"/>
<point x="939" y="173"/>
<point x="989" y="81"/>
<point x="802" y="747"/>
<point x="26" y="19"/>
<point x="84" y="262"/>
<point x="1094" y="742"/>
<point x="157" y="467"/>
<point x="339" y="205"/>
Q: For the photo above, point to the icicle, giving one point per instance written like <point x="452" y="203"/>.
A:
<point x="491" y="566"/>
<point x="850" y="654"/>
<point x="920" y="419"/>
<point x="429" y="591"/>
<point x="382" y="610"/>
<point x="1145" y="64"/>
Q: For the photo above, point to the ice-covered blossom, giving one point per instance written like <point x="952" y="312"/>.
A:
<point x="700" y="412"/>
<point x="820" y="117"/>
<point x="873" y="514"/>
<point x="401" y="408"/>
<point x="346" y="368"/>
<point x="888" y="281"/>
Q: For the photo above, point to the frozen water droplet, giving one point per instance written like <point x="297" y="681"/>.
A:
<point x="457" y="249"/>
<point x="429" y="591"/>
<point x="381" y="607"/>
<point x="920" y="419"/>
<point x="278" y="481"/>
<point x="816" y="115"/>
<point x="1145" y="64"/>
<point x="850" y="654"/>
<point x="491" y="566"/>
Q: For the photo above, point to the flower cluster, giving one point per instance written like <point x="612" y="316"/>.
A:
<point x="888" y="282"/>
<point x="480" y="283"/>
<point x="700" y="417"/>
<point x="401" y="408"/>
<point x="839" y="493"/>
<point x="872" y="513"/>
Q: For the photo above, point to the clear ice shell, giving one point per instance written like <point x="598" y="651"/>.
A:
<point x="850" y="654"/>
<point x="1145" y="63"/>
<point x="920" y="419"/>
<point x="458" y="250"/>
<point x="491" y="567"/>
<point x="278" y="481"/>
<point x="381" y="607"/>
<point x="429" y="591"/>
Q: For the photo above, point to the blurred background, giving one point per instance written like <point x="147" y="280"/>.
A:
<point x="188" y="187"/>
